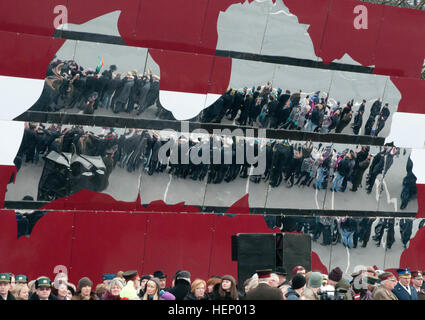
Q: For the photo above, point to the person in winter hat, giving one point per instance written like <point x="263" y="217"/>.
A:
<point x="85" y="292"/>
<point x="297" y="287"/>
<point x="314" y="283"/>
<point x="181" y="285"/>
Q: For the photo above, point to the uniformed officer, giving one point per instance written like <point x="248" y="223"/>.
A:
<point x="5" y="280"/>
<point x="384" y="290"/>
<point x="107" y="277"/>
<point x="403" y="290"/>
<point x="43" y="287"/>
<point x="417" y="282"/>
<point x="21" y="278"/>
<point x="264" y="291"/>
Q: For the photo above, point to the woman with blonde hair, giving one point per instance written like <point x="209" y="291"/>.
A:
<point x="152" y="290"/>
<point x="21" y="291"/>
<point x="197" y="291"/>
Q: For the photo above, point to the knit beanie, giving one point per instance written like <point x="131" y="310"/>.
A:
<point x="298" y="281"/>
<point x="315" y="280"/>
<point x="335" y="275"/>
<point x="84" y="282"/>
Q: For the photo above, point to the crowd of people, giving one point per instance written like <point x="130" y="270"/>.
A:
<point x="69" y="85"/>
<point x="351" y="232"/>
<point x="291" y="163"/>
<point x="368" y="283"/>
<point x="270" y="107"/>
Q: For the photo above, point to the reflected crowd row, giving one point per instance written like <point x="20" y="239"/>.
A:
<point x="75" y="158"/>
<point x="72" y="88"/>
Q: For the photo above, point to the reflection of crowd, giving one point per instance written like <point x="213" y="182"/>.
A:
<point x="270" y="107"/>
<point x="349" y="231"/>
<point x="42" y="140"/>
<point x="69" y="85"/>
<point x="297" y="164"/>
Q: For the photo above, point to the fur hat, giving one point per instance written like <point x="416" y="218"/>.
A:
<point x="183" y="275"/>
<point x="335" y="274"/>
<point x="298" y="281"/>
<point x="84" y="282"/>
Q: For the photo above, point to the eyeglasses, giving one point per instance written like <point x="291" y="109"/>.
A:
<point x="44" y="288"/>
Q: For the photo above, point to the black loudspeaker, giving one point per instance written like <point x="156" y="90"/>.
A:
<point x="253" y="252"/>
<point x="296" y="251"/>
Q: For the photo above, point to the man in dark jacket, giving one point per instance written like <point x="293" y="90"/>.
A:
<point x="181" y="285"/>
<point x="384" y="115"/>
<point x="5" y="280"/>
<point x="264" y="291"/>
<point x="343" y="171"/>
<point x="297" y="287"/>
<point x="43" y="288"/>
<point x="403" y="290"/>
<point x="376" y="108"/>
<point x="358" y="122"/>
<point x="376" y="168"/>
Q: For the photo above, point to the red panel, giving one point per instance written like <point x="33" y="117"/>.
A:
<point x="170" y="25"/>
<point x="26" y="56"/>
<point x="412" y="94"/>
<point x="179" y="241"/>
<point x="26" y="16"/>
<point x="413" y="257"/>
<point x="401" y="44"/>
<point x="220" y="75"/>
<point x="314" y="13"/>
<point x="90" y="200"/>
<point x="184" y="72"/>
<point x="48" y="245"/>
<point x="421" y="200"/>
<point x="361" y="44"/>
<point x="107" y="242"/>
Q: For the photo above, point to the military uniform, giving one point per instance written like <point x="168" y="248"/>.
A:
<point x="381" y="293"/>
<point x="263" y="291"/>
<point x="6" y="278"/>
<point x="21" y="279"/>
<point x="400" y="291"/>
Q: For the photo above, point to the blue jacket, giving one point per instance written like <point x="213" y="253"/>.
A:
<point x="402" y="294"/>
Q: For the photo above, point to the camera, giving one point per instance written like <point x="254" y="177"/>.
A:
<point x="338" y="294"/>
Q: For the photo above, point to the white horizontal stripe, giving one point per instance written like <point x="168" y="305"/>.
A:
<point x="11" y="134"/>
<point x="17" y="95"/>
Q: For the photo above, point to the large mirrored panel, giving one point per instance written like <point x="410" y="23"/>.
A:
<point x="56" y="161"/>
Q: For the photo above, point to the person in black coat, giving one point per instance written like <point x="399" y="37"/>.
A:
<point x="376" y="168"/>
<point x="384" y="115"/>
<point x="358" y="122"/>
<point x="181" y="285"/>
<point x="376" y="108"/>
